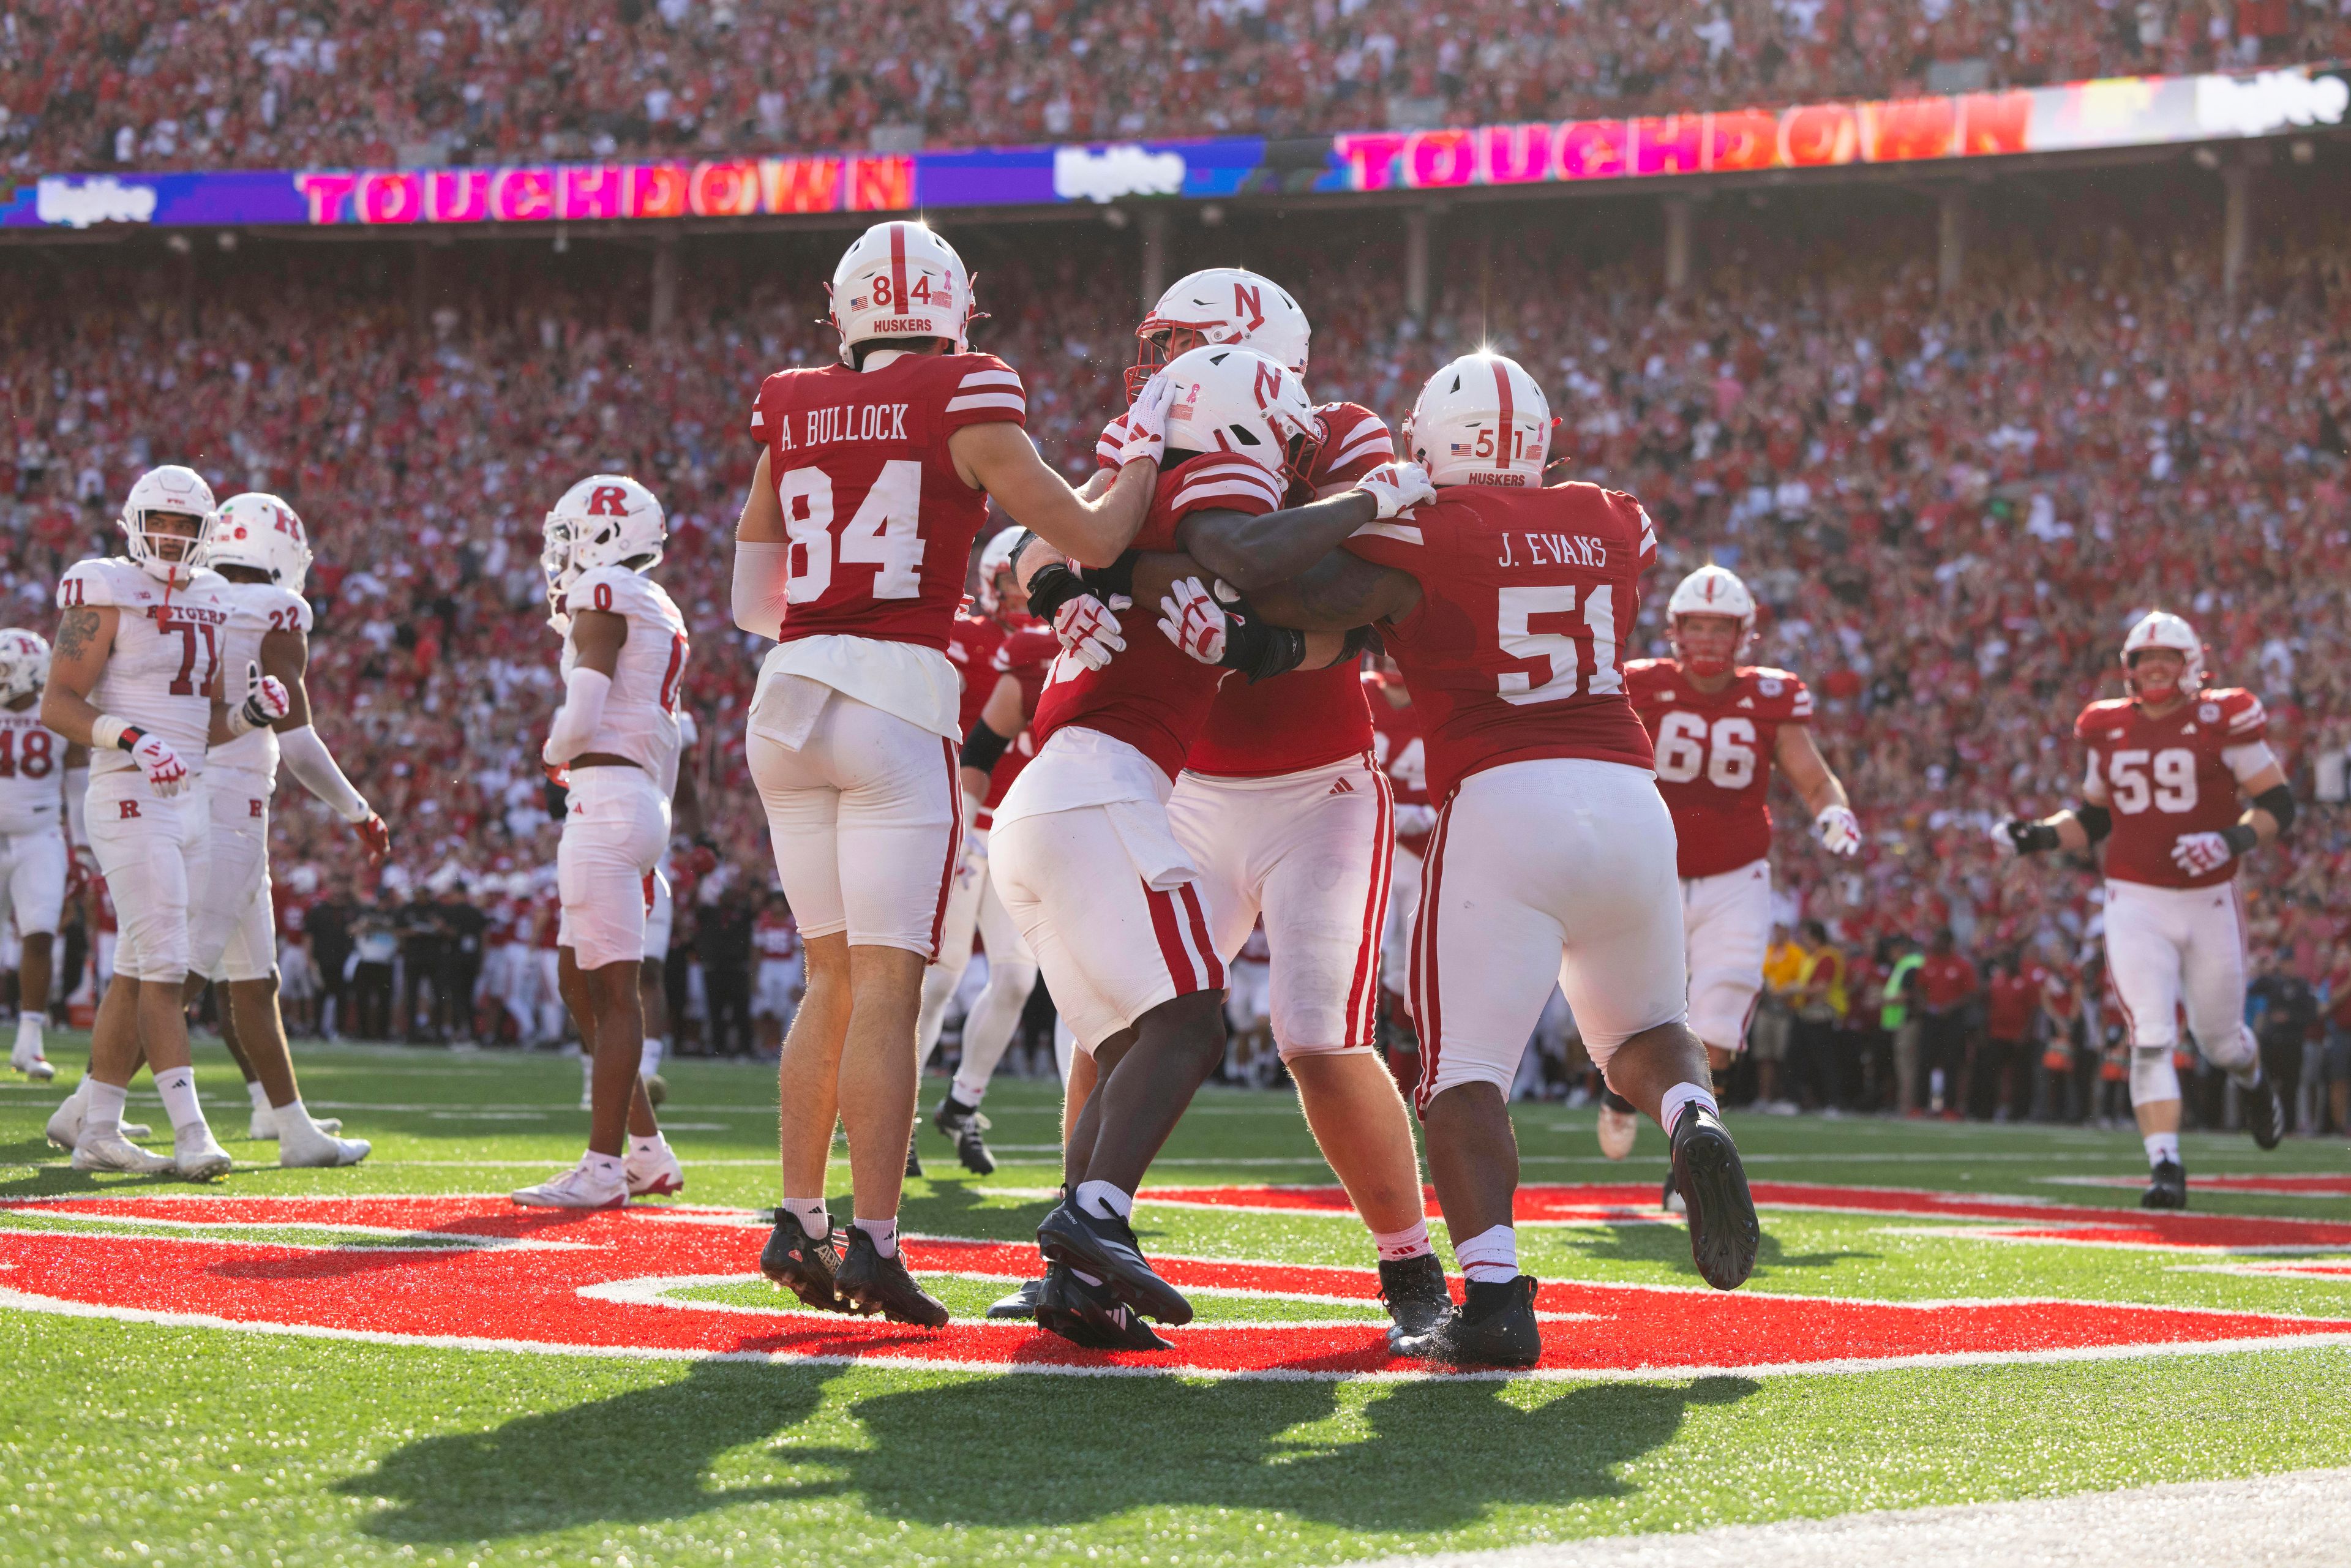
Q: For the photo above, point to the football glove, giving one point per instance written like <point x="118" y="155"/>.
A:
<point x="1090" y="629"/>
<point x="1398" y="488"/>
<point x="1191" y="618"/>
<point x="166" y="774"/>
<point x="2017" y="836"/>
<point x="1839" y="829"/>
<point x="2197" y="853"/>
<point x="264" y="704"/>
<point x="373" y="837"/>
<point x="1146" y="422"/>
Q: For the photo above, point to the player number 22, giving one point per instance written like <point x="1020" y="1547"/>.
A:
<point x="885" y="534"/>
<point x="1529" y="627"/>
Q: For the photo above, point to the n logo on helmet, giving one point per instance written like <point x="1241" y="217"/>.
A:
<point x="1268" y="385"/>
<point x="1249" y="301"/>
<point x="609" y="501"/>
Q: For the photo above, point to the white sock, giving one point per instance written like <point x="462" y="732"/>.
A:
<point x="177" y="1085"/>
<point x="885" y="1233"/>
<point x="2161" y="1147"/>
<point x="649" y="1061"/>
<point x="1105" y="1201"/>
<point x="608" y="1166"/>
<point x="260" y="1095"/>
<point x="101" y="1107"/>
<point x="1491" y="1257"/>
<point x="810" y="1212"/>
<point x="28" y="1031"/>
<point x="647" y="1145"/>
<point x="1669" y="1109"/>
<point x="1409" y="1242"/>
<point x="292" y="1117"/>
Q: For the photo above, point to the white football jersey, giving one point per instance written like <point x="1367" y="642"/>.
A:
<point x="640" y="720"/>
<point x="259" y="609"/>
<point x="169" y="646"/>
<point x="32" y="773"/>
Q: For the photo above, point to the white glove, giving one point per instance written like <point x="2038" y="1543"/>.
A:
<point x="1411" y="822"/>
<point x="265" y="700"/>
<point x="1146" y="422"/>
<point x="1398" y="488"/>
<point x="1089" y="628"/>
<point x="1193" y="619"/>
<point x="166" y="774"/>
<point x="1839" y="829"/>
<point x="1112" y="441"/>
<point x="2197" y="853"/>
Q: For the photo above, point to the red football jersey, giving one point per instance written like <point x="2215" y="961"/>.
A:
<point x="1154" y="696"/>
<point x="1026" y="655"/>
<point x="1308" y="719"/>
<point x="1714" y="756"/>
<point x="1398" y="749"/>
<point x="972" y="642"/>
<point x="2165" y="777"/>
<point x="881" y="524"/>
<point x="1512" y="652"/>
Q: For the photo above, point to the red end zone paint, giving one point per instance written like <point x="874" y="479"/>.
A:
<point x="2029" y="1220"/>
<point x="2282" y="1186"/>
<point x="599" y="1294"/>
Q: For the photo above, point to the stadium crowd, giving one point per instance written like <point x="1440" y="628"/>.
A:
<point x="1951" y="507"/>
<point x="159" y="84"/>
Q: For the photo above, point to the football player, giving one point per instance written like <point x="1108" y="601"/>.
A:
<point x="1718" y="726"/>
<point x="259" y="547"/>
<point x="1505" y="602"/>
<point x="1114" y="904"/>
<point x="1289" y="818"/>
<point x="44" y="780"/>
<point x="777" y="981"/>
<point x="874" y="478"/>
<point x="135" y="678"/>
<point x="1003" y="654"/>
<point x="614" y="745"/>
<point x="2181" y="785"/>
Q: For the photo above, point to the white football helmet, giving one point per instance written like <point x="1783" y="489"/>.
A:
<point x="900" y="280"/>
<point x="1481" y="420"/>
<point x="1711" y="591"/>
<point x="178" y="491"/>
<point x="2161" y="628"/>
<point x="609" y="519"/>
<point x="993" y="562"/>
<point x="1223" y="305"/>
<point x="555" y="561"/>
<point x="1235" y="399"/>
<point x="259" y="531"/>
<point x="24" y="663"/>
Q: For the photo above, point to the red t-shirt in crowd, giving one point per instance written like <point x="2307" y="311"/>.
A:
<point x="1944" y="981"/>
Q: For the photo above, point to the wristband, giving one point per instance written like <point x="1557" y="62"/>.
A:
<point x="1053" y="586"/>
<point x="2241" y="838"/>
<point x="983" y="746"/>
<point x="2039" y="837"/>
<point x="105" y="730"/>
<point x="1117" y="577"/>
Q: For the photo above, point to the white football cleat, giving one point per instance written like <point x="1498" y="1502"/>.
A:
<point x="197" y="1154"/>
<point x="654" y="1172"/>
<point x="119" y="1154"/>
<point x="578" y="1187"/>
<point x="27" y="1059"/>
<point x="65" y="1123"/>
<point x="1618" y="1131"/>
<point x="318" y="1150"/>
<point x="263" y="1127"/>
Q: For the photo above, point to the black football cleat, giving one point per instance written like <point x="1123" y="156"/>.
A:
<point x="1724" y="1235"/>
<point x="1021" y="1303"/>
<point x="1091" y="1316"/>
<point x="1106" y="1248"/>
<point x="807" y="1266"/>
<point x="2265" y="1112"/>
<point x="873" y="1283"/>
<point x="1414" y="1289"/>
<point x="1495" y="1326"/>
<point x="967" y="1126"/>
<point x="2167" y="1186"/>
<point x="914" y="1160"/>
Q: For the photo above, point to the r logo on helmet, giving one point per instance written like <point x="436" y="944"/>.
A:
<point x="609" y="501"/>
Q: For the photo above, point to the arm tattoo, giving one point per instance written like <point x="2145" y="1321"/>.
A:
<point x="75" y="633"/>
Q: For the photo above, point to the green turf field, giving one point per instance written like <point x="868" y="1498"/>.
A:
<point x="148" y="1441"/>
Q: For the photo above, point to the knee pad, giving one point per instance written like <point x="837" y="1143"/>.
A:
<point x="2233" y="1052"/>
<point x="2152" y="1076"/>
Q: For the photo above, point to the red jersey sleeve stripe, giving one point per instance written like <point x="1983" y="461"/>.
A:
<point x="1374" y="440"/>
<point x="998" y="377"/>
<point x="1215" y="490"/>
<point x="968" y="401"/>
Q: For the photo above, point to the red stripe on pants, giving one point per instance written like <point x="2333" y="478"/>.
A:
<point x="1375" y="914"/>
<point x="1426" y="1008"/>
<point x="954" y="845"/>
<point x="1207" y="949"/>
<point x="1171" y="939"/>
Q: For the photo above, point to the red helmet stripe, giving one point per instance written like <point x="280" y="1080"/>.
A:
<point x="1502" y="436"/>
<point x="898" y="267"/>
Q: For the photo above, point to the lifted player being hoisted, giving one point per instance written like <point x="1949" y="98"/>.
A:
<point x="2166" y="766"/>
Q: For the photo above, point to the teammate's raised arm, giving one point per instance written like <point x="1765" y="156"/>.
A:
<point x="1000" y="459"/>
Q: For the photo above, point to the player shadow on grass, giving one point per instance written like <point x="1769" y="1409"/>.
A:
<point x="1439" y="1455"/>
<point x="1669" y="1245"/>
